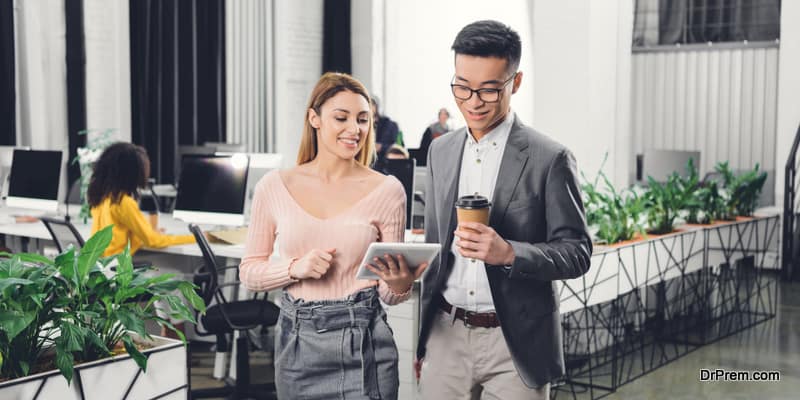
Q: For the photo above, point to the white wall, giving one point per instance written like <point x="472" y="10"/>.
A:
<point x="419" y="62"/>
<point x="788" y="90"/>
<point x="298" y="66"/>
<point x="42" y="74"/>
<point x="249" y="75"/>
<point x="367" y="35"/>
<point x="108" y="79"/>
<point x="41" y="69"/>
<point x="582" y="63"/>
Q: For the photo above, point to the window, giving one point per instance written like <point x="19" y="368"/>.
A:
<point x="670" y="22"/>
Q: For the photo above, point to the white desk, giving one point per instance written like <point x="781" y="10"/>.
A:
<point x="403" y="318"/>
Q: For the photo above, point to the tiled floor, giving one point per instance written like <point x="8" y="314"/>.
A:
<point x="770" y="346"/>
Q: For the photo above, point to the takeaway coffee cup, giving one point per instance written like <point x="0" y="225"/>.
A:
<point x="473" y="208"/>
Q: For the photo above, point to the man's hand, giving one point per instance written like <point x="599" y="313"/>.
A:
<point x="481" y="242"/>
<point x="418" y="367"/>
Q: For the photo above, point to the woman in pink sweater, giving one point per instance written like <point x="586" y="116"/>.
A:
<point x="332" y="339"/>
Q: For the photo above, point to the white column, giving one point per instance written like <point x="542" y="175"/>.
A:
<point x="788" y="91"/>
<point x="582" y="59"/>
<point x="108" y="76"/>
<point x="41" y="70"/>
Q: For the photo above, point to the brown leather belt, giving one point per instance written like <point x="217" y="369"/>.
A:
<point x="471" y="318"/>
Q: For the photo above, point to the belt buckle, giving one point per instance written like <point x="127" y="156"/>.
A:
<point x="467" y="315"/>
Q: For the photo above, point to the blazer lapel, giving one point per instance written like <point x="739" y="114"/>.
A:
<point x="515" y="157"/>
<point x="450" y="177"/>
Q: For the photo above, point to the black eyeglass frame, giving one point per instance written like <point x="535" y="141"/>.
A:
<point x="495" y="91"/>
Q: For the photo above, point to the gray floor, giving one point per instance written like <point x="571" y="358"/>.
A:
<point x="770" y="346"/>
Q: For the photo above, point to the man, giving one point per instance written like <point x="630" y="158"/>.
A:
<point x="386" y="130"/>
<point x="490" y="326"/>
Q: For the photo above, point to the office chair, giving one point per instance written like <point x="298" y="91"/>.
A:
<point x="225" y="317"/>
<point x="65" y="234"/>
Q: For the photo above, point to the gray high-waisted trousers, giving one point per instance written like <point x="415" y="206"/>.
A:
<point x="335" y="349"/>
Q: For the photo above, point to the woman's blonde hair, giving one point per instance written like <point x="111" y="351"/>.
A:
<point x="330" y="84"/>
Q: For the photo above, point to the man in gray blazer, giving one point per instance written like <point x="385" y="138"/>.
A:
<point x="490" y="325"/>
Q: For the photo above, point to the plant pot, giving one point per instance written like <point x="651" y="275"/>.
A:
<point x="115" y="377"/>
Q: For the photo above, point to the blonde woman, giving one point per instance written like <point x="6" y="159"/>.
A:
<point x="332" y="340"/>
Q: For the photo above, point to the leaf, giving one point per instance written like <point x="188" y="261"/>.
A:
<point x="14" y="322"/>
<point x="92" y="251"/>
<point x="188" y="291"/>
<point x="130" y="321"/>
<point x="137" y="356"/>
<point x="6" y="282"/>
<point x="65" y="362"/>
<point x="164" y="322"/>
<point x="96" y="345"/>
<point x="72" y="338"/>
<point x="30" y="258"/>
<point x="125" y="268"/>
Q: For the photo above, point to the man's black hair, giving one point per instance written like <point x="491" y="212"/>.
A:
<point x="489" y="39"/>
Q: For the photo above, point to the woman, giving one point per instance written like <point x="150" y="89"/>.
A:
<point x="118" y="174"/>
<point x="332" y="340"/>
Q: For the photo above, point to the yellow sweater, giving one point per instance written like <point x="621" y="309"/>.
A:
<point x="130" y="224"/>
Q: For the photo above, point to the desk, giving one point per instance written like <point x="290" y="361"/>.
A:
<point x="402" y="317"/>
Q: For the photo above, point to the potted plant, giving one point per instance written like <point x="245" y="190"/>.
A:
<point x="72" y="316"/>
<point x="744" y="189"/>
<point x="612" y="215"/>
<point x="664" y="203"/>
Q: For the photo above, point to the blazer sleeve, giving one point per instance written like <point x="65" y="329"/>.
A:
<point x="567" y="252"/>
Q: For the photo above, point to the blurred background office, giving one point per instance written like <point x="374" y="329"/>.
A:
<point x="633" y="86"/>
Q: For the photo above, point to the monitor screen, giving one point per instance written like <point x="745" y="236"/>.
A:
<point x="211" y="189"/>
<point x="660" y="164"/>
<point x="403" y="170"/>
<point x="34" y="179"/>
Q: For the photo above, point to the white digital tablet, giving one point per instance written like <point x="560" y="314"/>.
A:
<point x="414" y="253"/>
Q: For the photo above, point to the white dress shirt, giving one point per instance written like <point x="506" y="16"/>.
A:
<point x="468" y="286"/>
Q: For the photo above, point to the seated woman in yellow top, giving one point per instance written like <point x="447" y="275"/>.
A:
<point x="118" y="174"/>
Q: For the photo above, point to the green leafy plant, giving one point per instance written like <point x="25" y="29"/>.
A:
<point x="27" y="307"/>
<point x="83" y="311"/>
<point x="664" y="203"/>
<point x="695" y="205"/>
<point x="615" y="215"/>
<point x="743" y="189"/>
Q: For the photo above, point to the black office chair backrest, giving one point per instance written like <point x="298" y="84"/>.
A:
<point x="63" y="233"/>
<point x="207" y="279"/>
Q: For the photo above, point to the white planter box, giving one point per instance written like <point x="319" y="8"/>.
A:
<point x="116" y="377"/>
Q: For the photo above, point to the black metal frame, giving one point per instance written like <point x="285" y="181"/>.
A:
<point x="47" y="221"/>
<point x="790" y="210"/>
<point x="674" y="295"/>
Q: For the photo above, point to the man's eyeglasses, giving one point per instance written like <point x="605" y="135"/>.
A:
<point x="486" y="95"/>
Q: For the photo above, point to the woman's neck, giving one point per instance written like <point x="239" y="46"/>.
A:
<point x="329" y="168"/>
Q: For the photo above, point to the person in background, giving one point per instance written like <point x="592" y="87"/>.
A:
<point x="117" y="176"/>
<point x="434" y="130"/>
<point x="386" y="130"/>
<point x="332" y="340"/>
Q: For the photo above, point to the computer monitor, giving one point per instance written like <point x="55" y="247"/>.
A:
<point x="660" y="164"/>
<point x="226" y="147"/>
<point x="403" y="170"/>
<point x="260" y="165"/>
<point x="211" y="189"/>
<point x="34" y="180"/>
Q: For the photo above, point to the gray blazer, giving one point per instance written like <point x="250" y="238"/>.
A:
<point x="537" y="208"/>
